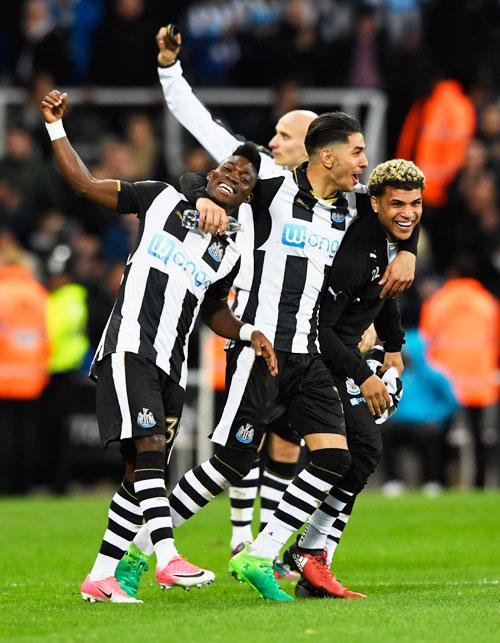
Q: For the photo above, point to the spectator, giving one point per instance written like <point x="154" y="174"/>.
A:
<point x="460" y="322"/>
<point x="24" y="352"/>
<point x="144" y="149"/>
<point x="211" y="30"/>
<point x="67" y="315"/>
<point x="26" y="173"/>
<point x="436" y="134"/>
<point x="421" y="420"/>
<point x="124" y="47"/>
<point x="365" y="51"/>
<point x="44" y="46"/>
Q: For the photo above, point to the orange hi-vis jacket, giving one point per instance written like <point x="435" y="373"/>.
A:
<point x="460" y="322"/>
<point x="24" y="345"/>
<point x="435" y="135"/>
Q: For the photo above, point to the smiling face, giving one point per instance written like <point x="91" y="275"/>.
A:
<point x="398" y="211"/>
<point x="346" y="161"/>
<point x="232" y="182"/>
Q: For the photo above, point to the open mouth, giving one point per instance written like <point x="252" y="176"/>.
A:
<point x="404" y="225"/>
<point x="355" y="178"/>
<point x="225" y="188"/>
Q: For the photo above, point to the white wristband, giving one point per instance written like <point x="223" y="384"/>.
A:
<point x="246" y="332"/>
<point x="55" y="130"/>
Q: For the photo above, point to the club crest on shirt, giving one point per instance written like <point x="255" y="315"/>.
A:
<point x="145" y="419"/>
<point x="352" y="387"/>
<point x="337" y="217"/>
<point x="216" y="251"/>
<point x="245" y="433"/>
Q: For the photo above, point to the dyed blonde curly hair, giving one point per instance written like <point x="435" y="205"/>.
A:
<point x="397" y="173"/>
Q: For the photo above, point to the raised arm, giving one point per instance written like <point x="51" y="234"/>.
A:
<point x="190" y="112"/>
<point x="74" y="170"/>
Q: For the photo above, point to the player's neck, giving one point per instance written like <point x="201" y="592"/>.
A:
<point x="321" y="183"/>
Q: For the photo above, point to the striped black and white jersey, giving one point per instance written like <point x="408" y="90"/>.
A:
<point x="166" y="278"/>
<point x="289" y="237"/>
<point x="220" y="142"/>
<point x="296" y="238"/>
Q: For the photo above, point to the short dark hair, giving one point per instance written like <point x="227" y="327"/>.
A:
<point x="328" y="128"/>
<point x="251" y="152"/>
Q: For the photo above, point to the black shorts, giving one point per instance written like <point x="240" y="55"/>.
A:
<point x="136" y="399"/>
<point x="364" y="437"/>
<point x="282" y="428"/>
<point x="253" y="399"/>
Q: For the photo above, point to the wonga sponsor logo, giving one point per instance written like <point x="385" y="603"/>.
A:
<point x="166" y="249"/>
<point x="299" y="236"/>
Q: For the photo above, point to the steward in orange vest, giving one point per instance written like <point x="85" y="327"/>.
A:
<point x="24" y="346"/>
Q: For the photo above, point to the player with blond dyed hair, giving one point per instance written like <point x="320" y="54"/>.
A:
<point x="350" y="303"/>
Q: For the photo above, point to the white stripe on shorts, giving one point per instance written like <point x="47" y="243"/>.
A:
<point x="120" y="382"/>
<point x="237" y="388"/>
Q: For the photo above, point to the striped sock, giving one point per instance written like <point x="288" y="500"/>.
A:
<point x="150" y="489"/>
<point x="338" y="528"/>
<point x="242" y="499"/>
<point x="301" y="498"/>
<point x="335" y="535"/>
<point x="320" y="525"/>
<point x="143" y="541"/>
<point x="198" y="486"/>
<point x="275" y="479"/>
<point x="124" y="521"/>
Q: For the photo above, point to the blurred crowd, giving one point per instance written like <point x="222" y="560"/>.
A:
<point x="438" y="61"/>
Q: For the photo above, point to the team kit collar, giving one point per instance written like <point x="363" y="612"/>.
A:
<point x="338" y="203"/>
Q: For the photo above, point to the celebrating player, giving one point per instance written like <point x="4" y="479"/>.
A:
<point x="300" y="221"/>
<point x="140" y="364"/>
<point x="287" y="151"/>
<point x="350" y="302"/>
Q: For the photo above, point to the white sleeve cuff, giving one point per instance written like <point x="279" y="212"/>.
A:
<point x="168" y="72"/>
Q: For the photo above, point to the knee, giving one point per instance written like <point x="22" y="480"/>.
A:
<point x="364" y="464"/>
<point x="333" y="461"/>
<point x="281" y="450"/>
<point x="237" y="464"/>
<point x="130" y="471"/>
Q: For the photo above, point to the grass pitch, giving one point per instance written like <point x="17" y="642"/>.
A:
<point x="430" y="567"/>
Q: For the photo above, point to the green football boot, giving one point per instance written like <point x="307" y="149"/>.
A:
<point x="129" y="570"/>
<point x="259" y="574"/>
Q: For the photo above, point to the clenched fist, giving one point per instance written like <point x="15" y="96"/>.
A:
<point x="53" y="106"/>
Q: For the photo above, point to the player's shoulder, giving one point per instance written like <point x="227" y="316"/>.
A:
<point x="363" y="234"/>
<point x="148" y="188"/>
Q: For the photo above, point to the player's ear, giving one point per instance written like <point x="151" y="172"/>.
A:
<point x="249" y="198"/>
<point x="210" y="175"/>
<point x="374" y="204"/>
<point x="327" y="158"/>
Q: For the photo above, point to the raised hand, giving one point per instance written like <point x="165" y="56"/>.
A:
<point x="169" y="42"/>
<point x="54" y="105"/>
